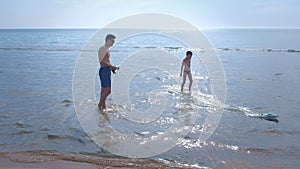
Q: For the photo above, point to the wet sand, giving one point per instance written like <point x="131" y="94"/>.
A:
<point x="54" y="160"/>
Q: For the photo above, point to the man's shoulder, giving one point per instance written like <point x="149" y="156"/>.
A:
<point x="103" y="49"/>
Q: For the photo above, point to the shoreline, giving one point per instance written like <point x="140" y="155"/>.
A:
<point x="54" y="160"/>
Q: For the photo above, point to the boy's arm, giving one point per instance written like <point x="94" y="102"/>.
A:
<point x="181" y="69"/>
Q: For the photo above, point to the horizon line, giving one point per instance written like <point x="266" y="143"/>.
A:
<point x="203" y="28"/>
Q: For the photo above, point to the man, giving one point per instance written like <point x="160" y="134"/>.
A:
<point x="105" y="70"/>
<point x="186" y="67"/>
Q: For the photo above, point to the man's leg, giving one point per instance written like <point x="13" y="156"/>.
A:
<point x="100" y="101"/>
<point x="105" y="92"/>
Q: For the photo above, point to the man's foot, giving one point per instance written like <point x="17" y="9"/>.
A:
<point x="100" y="108"/>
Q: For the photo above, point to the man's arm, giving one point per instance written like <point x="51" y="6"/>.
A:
<point x="101" y="54"/>
<point x="107" y="64"/>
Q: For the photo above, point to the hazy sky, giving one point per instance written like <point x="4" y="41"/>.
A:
<point x="98" y="13"/>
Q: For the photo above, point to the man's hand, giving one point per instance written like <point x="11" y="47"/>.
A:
<point x="114" y="69"/>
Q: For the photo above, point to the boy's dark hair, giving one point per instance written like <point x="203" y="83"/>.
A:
<point x="189" y="53"/>
<point x="109" y="37"/>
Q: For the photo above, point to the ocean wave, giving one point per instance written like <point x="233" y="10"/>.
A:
<point x="21" y="124"/>
<point x="47" y="49"/>
<point x="51" y="136"/>
<point x="274" y="132"/>
<point x="192" y="144"/>
<point x="167" y="48"/>
<point x="260" y="50"/>
<point x="245" y="111"/>
<point x="271" y="150"/>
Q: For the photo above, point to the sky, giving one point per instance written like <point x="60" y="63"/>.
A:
<point x="99" y="13"/>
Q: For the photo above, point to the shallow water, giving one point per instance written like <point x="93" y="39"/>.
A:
<point x="262" y="76"/>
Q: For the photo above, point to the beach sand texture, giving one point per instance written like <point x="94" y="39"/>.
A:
<point x="54" y="160"/>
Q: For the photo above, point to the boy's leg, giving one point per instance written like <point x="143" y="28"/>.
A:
<point x="183" y="81"/>
<point x="191" y="81"/>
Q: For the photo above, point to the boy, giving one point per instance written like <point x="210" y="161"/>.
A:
<point x="186" y="67"/>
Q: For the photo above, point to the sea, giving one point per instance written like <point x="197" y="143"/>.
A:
<point x="262" y="76"/>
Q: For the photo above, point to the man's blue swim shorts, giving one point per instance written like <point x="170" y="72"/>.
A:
<point x="105" y="76"/>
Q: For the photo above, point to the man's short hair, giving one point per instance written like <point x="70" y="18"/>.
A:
<point x="189" y="53"/>
<point x="110" y="37"/>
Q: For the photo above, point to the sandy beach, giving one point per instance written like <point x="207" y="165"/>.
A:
<point x="54" y="160"/>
